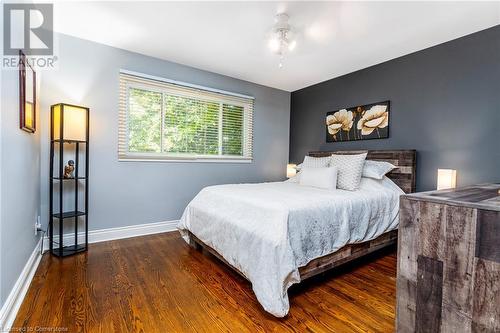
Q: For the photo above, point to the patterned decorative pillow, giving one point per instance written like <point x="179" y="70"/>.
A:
<point x="315" y="162"/>
<point x="377" y="169"/>
<point x="350" y="170"/>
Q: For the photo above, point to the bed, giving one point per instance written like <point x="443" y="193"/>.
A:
<point x="277" y="234"/>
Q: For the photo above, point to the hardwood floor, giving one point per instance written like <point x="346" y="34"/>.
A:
<point x="158" y="283"/>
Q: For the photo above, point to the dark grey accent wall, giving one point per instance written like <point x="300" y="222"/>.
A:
<point x="445" y="102"/>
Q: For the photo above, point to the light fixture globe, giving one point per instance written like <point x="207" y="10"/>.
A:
<point x="274" y="44"/>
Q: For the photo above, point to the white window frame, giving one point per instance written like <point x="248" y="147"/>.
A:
<point x="207" y="94"/>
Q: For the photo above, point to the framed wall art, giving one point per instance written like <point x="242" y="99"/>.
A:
<point x="27" y="95"/>
<point x="362" y="122"/>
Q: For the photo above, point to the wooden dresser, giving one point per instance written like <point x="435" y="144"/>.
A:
<point x="449" y="261"/>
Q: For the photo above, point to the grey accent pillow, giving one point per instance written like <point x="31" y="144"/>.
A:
<point x="350" y="170"/>
<point x="377" y="169"/>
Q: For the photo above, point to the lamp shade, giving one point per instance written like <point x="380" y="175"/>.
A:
<point x="72" y="120"/>
<point x="290" y="170"/>
<point x="446" y="178"/>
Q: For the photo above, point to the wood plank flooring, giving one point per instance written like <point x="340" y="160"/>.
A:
<point x="158" y="283"/>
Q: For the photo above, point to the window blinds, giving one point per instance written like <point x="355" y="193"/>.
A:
<point x="163" y="120"/>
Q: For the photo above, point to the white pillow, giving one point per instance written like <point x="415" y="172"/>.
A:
<point x="314" y="162"/>
<point x="350" y="170"/>
<point x="319" y="177"/>
<point x="377" y="169"/>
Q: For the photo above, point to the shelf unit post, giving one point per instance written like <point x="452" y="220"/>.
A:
<point x="61" y="176"/>
<point x="51" y="175"/>
<point x="87" y="135"/>
<point x="77" y="163"/>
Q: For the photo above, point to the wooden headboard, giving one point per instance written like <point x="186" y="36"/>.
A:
<point x="406" y="161"/>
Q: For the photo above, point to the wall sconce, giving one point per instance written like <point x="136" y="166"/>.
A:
<point x="27" y="95"/>
<point x="291" y="170"/>
<point x="446" y="178"/>
<point x="71" y="120"/>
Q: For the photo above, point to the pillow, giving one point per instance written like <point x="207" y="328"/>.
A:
<point x="319" y="177"/>
<point x="314" y="162"/>
<point x="350" y="170"/>
<point x="377" y="169"/>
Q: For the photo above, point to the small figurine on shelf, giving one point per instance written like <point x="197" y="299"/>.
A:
<point x="68" y="169"/>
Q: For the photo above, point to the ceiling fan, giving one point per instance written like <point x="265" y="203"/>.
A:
<point x="281" y="41"/>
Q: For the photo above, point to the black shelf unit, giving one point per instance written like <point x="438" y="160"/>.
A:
<point x="58" y="146"/>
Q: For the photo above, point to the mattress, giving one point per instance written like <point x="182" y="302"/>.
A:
<point x="268" y="230"/>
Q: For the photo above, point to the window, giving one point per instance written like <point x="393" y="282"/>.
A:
<point x="167" y="120"/>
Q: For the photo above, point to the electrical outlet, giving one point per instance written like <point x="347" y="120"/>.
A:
<point x="38" y="225"/>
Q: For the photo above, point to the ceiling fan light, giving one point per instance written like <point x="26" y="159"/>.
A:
<point x="281" y="41"/>
<point x="274" y="44"/>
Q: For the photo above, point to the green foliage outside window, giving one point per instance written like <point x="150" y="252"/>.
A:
<point x="183" y="125"/>
<point x="144" y="123"/>
<point x="191" y="126"/>
<point x="232" y="130"/>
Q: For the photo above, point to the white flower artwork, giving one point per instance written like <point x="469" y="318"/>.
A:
<point x="363" y="122"/>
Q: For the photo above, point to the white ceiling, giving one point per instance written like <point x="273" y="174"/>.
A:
<point x="230" y="38"/>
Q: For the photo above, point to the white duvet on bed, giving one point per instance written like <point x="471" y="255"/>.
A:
<point x="269" y="230"/>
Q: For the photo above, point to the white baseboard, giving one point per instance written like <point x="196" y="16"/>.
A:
<point x="102" y="235"/>
<point x="15" y="299"/>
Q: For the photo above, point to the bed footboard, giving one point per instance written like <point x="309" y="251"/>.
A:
<point x="322" y="264"/>
<point x="346" y="254"/>
<point x="194" y="242"/>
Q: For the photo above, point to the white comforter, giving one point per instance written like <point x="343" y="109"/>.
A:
<point x="269" y="230"/>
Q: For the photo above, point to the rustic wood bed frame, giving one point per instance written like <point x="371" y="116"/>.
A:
<point x="404" y="176"/>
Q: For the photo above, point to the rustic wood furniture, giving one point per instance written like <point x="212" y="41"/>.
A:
<point x="403" y="176"/>
<point x="449" y="261"/>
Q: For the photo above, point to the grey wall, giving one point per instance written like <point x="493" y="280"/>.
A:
<point x="20" y="186"/>
<point x="445" y="102"/>
<point x="129" y="193"/>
